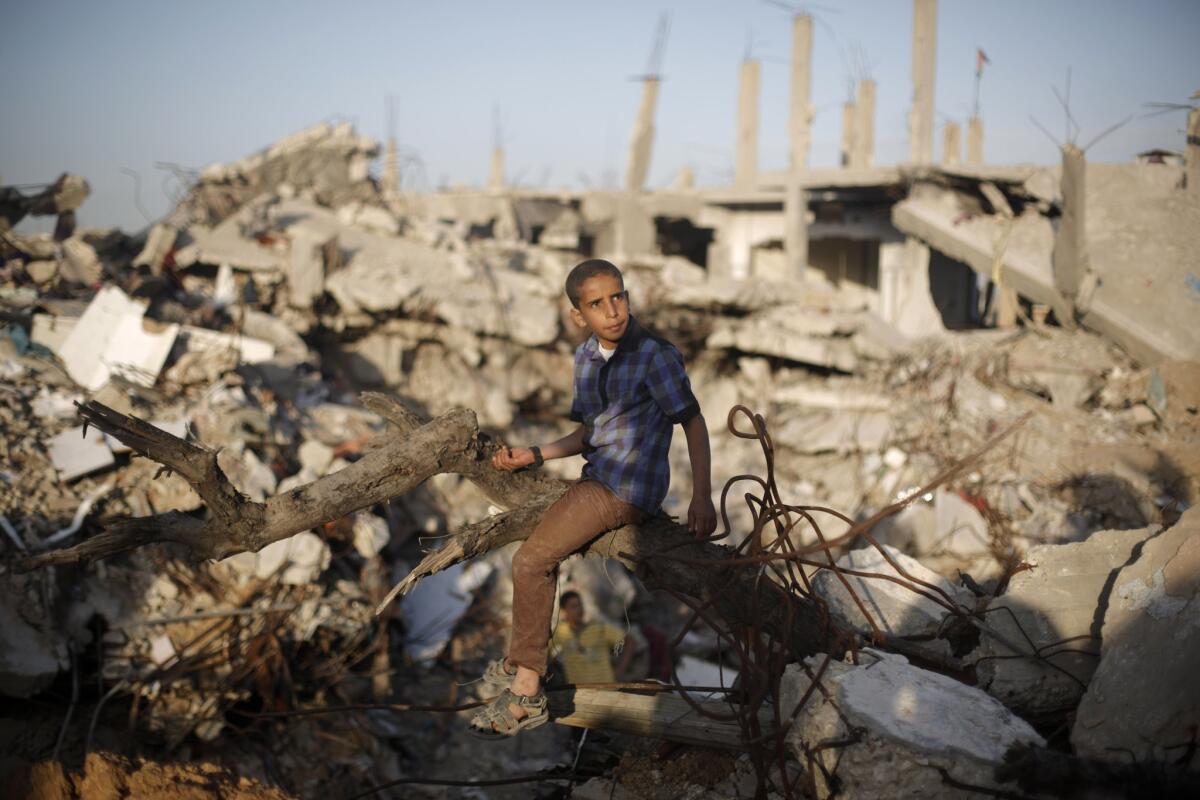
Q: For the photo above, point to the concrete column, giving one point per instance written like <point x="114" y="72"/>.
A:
<point x="685" y="180"/>
<point x="391" y="170"/>
<point x="924" y="67"/>
<point x="643" y="138"/>
<point x="746" y="166"/>
<point x="795" y="226"/>
<point x="1192" y="154"/>
<point x="951" y="144"/>
<point x="975" y="141"/>
<point x="1069" y="258"/>
<point x="801" y="115"/>
<point x="863" y="150"/>
<point x="1006" y="308"/>
<point x="848" y="138"/>
<point x="496" y="178"/>
<point x="904" y="296"/>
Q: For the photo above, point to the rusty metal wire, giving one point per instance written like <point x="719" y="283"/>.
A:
<point x="785" y="566"/>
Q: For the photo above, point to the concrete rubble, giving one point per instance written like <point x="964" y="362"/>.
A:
<point x="282" y="284"/>
<point x="1043" y="639"/>
<point x="1151" y="619"/>
<point x="902" y="731"/>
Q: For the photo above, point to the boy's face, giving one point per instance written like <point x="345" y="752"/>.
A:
<point x="572" y="611"/>
<point x="603" y="309"/>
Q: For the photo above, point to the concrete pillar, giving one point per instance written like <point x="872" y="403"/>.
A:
<point x="924" y="67"/>
<point x="795" y="226"/>
<point x="685" y="180"/>
<point x="496" y="177"/>
<point x="1069" y="258"/>
<point x="745" y="173"/>
<point x="391" y="169"/>
<point x="1192" y="155"/>
<point x="801" y="115"/>
<point x="975" y="141"/>
<point x="951" y="144"/>
<point x="863" y="150"/>
<point x="847" y="148"/>
<point x="904" y="296"/>
<point x="643" y="138"/>
<point x="1006" y="308"/>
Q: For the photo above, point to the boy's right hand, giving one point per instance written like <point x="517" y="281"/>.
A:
<point x="512" y="458"/>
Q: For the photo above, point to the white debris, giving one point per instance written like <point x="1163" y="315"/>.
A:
<point x="75" y="455"/>
<point x="112" y="337"/>
<point x="371" y="534"/>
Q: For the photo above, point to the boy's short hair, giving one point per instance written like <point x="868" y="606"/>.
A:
<point x="589" y="269"/>
<point x="568" y="595"/>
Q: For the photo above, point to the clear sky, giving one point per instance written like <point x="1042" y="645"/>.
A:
<point x="93" y="87"/>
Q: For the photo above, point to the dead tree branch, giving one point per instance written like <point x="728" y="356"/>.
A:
<point x="401" y="459"/>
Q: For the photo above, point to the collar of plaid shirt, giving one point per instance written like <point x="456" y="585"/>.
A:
<point x="628" y="406"/>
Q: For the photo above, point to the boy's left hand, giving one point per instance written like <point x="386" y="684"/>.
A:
<point x="702" y="517"/>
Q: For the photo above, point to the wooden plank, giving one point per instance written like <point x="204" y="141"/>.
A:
<point x="658" y="715"/>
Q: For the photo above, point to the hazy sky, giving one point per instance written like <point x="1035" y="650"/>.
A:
<point x="93" y="87"/>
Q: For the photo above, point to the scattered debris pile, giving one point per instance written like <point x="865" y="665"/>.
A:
<point x="1018" y="596"/>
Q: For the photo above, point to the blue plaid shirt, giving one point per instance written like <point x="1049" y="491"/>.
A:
<point x="629" y="405"/>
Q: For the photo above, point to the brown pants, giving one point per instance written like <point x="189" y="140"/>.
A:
<point x="587" y="510"/>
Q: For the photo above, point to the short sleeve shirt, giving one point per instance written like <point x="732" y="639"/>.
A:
<point x="629" y="405"/>
<point x="587" y="656"/>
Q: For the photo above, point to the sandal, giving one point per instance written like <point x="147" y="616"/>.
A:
<point x="495" y="721"/>
<point x="497" y="676"/>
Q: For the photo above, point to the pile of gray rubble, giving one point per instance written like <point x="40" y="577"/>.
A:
<point x="250" y="317"/>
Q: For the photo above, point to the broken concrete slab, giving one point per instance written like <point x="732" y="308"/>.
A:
<point x="75" y="455"/>
<point x="814" y="432"/>
<point x="113" y="337"/>
<point x="1053" y="609"/>
<point x="1142" y="702"/>
<point x="314" y="254"/>
<point x="227" y="244"/>
<point x="905" y="727"/>
<point x="370" y="218"/>
<point x="895" y="608"/>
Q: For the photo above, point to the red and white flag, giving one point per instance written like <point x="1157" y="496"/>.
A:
<point x="980" y="59"/>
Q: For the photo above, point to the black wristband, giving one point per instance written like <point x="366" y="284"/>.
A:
<point x="538" y="461"/>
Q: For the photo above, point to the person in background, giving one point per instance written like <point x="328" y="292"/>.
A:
<point x="586" y="649"/>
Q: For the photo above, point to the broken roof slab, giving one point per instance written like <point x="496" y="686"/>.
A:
<point x="1142" y="234"/>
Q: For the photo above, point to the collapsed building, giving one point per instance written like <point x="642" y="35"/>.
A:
<point x="887" y="322"/>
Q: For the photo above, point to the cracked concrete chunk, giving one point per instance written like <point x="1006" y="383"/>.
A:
<point x="1057" y="605"/>
<point x="1142" y="702"/>
<point x="913" y="723"/>
<point x="895" y="609"/>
